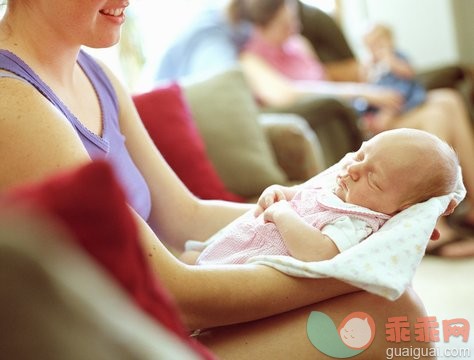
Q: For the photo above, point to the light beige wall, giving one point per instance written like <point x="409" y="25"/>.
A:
<point x="463" y="13"/>
<point x="431" y="32"/>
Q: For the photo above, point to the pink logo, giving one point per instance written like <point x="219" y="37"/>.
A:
<point x="357" y="330"/>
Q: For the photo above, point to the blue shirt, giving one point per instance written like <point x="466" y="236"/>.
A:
<point x="208" y="46"/>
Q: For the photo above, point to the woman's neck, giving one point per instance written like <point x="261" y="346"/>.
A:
<point x="41" y="49"/>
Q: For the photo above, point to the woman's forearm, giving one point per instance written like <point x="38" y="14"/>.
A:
<point x="213" y="215"/>
<point x="210" y="296"/>
<point x="223" y="295"/>
<point x="346" y="90"/>
<point x="202" y="219"/>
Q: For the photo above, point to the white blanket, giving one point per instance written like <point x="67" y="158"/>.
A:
<point x="386" y="261"/>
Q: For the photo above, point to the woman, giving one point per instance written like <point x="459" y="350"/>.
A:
<point x="62" y="116"/>
<point x="282" y="68"/>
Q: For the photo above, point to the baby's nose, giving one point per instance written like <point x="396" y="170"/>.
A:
<point x="353" y="171"/>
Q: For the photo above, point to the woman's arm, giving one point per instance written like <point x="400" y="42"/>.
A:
<point x="273" y="88"/>
<point x="176" y="215"/>
<point x="209" y="296"/>
<point x="37" y="141"/>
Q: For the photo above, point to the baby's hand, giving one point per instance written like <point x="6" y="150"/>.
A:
<point x="270" y="196"/>
<point x="277" y="209"/>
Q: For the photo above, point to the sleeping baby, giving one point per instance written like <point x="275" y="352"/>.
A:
<point x="313" y="221"/>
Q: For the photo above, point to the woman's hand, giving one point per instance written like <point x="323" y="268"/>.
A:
<point x="384" y="98"/>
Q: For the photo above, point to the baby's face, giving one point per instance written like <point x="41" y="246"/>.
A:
<point x="378" y="39"/>
<point x="376" y="175"/>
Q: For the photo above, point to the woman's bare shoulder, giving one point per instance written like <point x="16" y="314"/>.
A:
<point x="36" y="138"/>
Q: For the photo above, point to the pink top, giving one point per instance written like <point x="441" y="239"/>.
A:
<point x="291" y="60"/>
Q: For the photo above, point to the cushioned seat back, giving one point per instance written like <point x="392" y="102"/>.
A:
<point x="324" y="34"/>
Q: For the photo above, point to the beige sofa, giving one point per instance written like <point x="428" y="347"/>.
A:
<point x="252" y="147"/>
<point x="250" y="150"/>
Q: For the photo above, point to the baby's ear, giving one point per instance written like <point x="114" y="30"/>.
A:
<point x="451" y="206"/>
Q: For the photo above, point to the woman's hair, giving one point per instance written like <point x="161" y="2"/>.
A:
<point x="258" y="12"/>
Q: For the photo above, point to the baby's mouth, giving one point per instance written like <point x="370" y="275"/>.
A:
<point x="340" y="181"/>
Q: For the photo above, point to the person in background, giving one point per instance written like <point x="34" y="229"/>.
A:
<point x="209" y="45"/>
<point x="281" y="68"/>
<point x="388" y="67"/>
<point x="62" y="109"/>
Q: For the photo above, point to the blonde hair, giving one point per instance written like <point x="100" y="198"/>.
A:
<point x="375" y="31"/>
<point x="441" y="162"/>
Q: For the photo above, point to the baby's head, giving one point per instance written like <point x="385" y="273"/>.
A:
<point x="396" y="169"/>
<point x="377" y="36"/>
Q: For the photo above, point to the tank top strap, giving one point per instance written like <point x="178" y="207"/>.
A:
<point x="7" y="74"/>
<point x="13" y="64"/>
<point x="14" y="67"/>
<point x="107" y="94"/>
<point x="111" y="145"/>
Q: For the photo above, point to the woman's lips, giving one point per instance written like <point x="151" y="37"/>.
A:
<point x="117" y="12"/>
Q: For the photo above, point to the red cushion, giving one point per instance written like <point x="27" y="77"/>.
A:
<point x="169" y="122"/>
<point x="92" y="205"/>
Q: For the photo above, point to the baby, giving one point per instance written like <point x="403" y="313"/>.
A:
<point x="315" y="221"/>
<point x="390" y="68"/>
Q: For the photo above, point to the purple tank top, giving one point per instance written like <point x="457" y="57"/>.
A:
<point x="111" y="145"/>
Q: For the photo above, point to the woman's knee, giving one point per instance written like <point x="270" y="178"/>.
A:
<point x="394" y="323"/>
<point x="448" y="98"/>
<point x="289" y="335"/>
